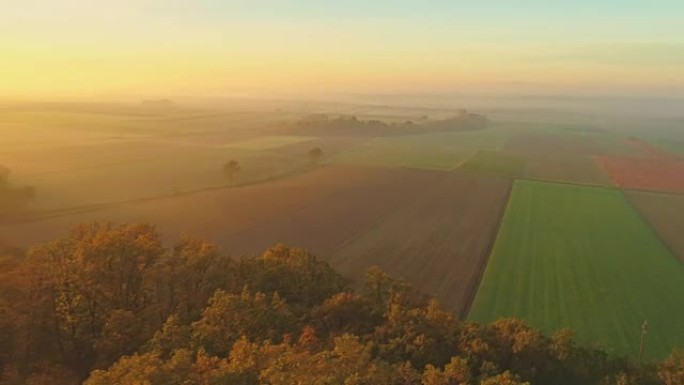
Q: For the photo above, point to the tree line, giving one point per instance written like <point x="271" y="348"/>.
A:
<point x="110" y="304"/>
<point x="350" y="125"/>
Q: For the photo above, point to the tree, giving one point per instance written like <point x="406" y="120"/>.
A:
<point x="671" y="372"/>
<point x="315" y="154"/>
<point x="231" y="316"/>
<point x="92" y="288"/>
<point x="231" y="168"/>
<point x="297" y="275"/>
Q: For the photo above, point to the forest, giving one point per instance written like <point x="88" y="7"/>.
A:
<point x="112" y="304"/>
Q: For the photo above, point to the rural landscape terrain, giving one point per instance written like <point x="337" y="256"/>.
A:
<point x="562" y="220"/>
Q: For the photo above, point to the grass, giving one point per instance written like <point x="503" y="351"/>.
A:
<point x="435" y="151"/>
<point x="267" y="142"/>
<point x="496" y="162"/>
<point x="580" y="257"/>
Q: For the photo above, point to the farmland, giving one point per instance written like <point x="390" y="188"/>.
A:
<point x="564" y="141"/>
<point x="425" y="206"/>
<point x="565" y="168"/>
<point x="439" y="151"/>
<point x="646" y="173"/>
<point x="267" y="142"/>
<point x="438" y="242"/>
<point x="338" y="212"/>
<point x="665" y="214"/>
<point x="495" y="162"/>
<point x="580" y="257"/>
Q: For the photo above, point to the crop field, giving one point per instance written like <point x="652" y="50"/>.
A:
<point x="214" y="213"/>
<point x="665" y="214"/>
<point x="438" y="241"/>
<point x="438" y="151"/>
<point x="155" y="171"/>
<point x="87" y="158"/>
<point x="646" y="173"/>
<point x="565" y="168"/>
<point x="436" y="237"/>
<point x="428" y="208"/>
<point x="267" y="142"/>
<point x="495" y="162"/>
<point x="326" y="221"/>
<point x="568" y="142"/>
<point x="580" y="257"/>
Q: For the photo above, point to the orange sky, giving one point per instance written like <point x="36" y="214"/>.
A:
<point x="209" y="47"/>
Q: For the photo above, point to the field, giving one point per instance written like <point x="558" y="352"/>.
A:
<point x="426" y="207"/>
<point x="495" y="162"/>
<point x="97" y="157"/>
<point x="439" y="241"/>
<point x="565" y="168"/>
<point x="267" y="142"/>
<point x="646" y="173"/>
<point x="438" y="151"/>
<point x="339" y="213"/>
<point x="665" y="214"/>
<point x="213" y="214"/>
<point x="580" y="257"/>
<point x="566" y="141"/>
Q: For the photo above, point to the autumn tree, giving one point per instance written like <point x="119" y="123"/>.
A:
<point x="297" y="275"/>
<point x="111" y="305"/>
<point x="96" y="281"/>
<point x="190" y="275"/>
<point x="346" y="313"/>
<point x="671" y="371"/>
<point x="230" y="316"/>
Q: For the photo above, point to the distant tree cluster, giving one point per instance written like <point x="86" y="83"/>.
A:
<point x="323" y="124"/>
<point x="12" y="197"/>
<point x="111" y="305"/>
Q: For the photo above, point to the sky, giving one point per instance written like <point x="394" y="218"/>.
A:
<point x="58" y="48"/>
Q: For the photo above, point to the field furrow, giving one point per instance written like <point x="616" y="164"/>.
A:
<point x="580" y="257"/>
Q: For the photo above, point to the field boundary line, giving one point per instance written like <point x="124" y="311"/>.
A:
<point x="464" y="161"/>
<point x="474" y="287"/>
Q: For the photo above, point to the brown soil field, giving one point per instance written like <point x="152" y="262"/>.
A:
<point x="214" y="213"/>
<point x="565" y="168"/>
<point x="650" y="174"/>
<point x="439" y="242"/>
<point x="321" y="225"/>
<point x="566" y="144"/>
<point x="665" y="214"/>
<point x="435" y="227"/>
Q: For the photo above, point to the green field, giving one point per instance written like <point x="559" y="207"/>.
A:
<point x="267" y="142"/>
<point x="580" y="257"/>
<point x="436" y="151"/>
<point x="495" y="162"/>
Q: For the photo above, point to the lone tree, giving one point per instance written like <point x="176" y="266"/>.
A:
<point x="231" y="168"/>
<point x="315" y="154"/>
